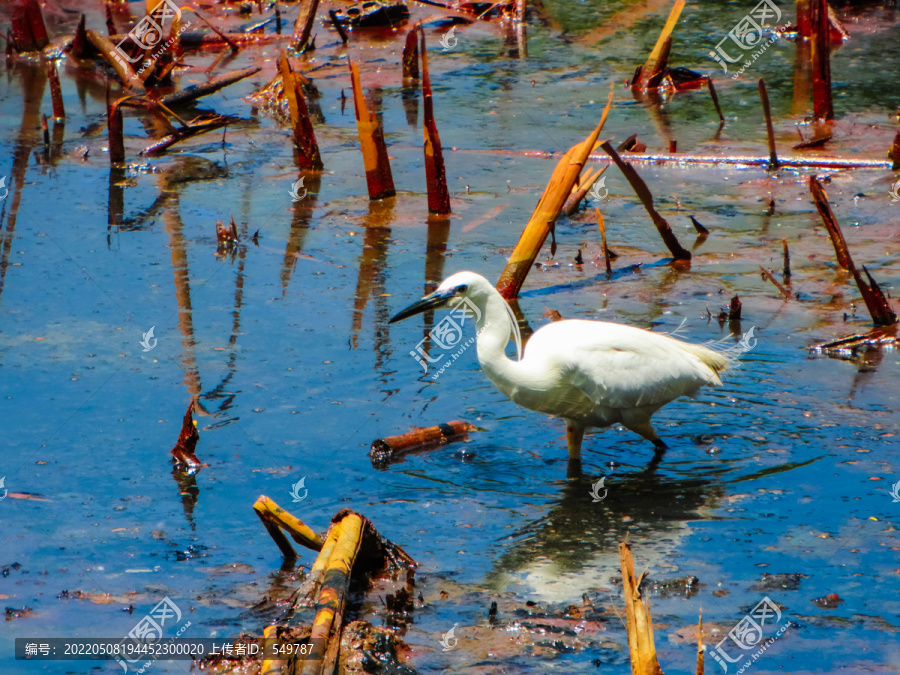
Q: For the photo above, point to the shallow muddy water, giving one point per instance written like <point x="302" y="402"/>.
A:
<point x="785" y="470"/>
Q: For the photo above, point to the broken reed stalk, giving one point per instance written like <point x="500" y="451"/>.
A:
<point x="547" y="210"/>
<point x="786" y="272"/>
<point x="894" y="153"/>
<point x="28" y="30"/>
<point x="338" y="26"/>
<point x="820" y="57"/>
<point x="304" y="25"/>
<point x="804" y="18"/>
<point x="435" y="173"/>
<point x="411" y="54"/>
<point x="602" y="225"/>
<point x="116" y="133"/>
<point x="715" y="99"/>
<point x="767" y="274"/>
<point x="107" y="50"/>
<point x="646" y="197"/>
<point x="700" y="656"/>
<point x="698" y="226"/>
<point x="59" y="110"/>
<point x="770" y="131"/>
<point x="638" y="620"/>
<point x="326" y="629"/>
<point x="194" y="129"/>
<point x="658" y="69"/>
<point x="183" y="452"/>
<point x="876" y="303"/>
<point x="580" y="189"/>
<point x="371" y="139"/>
<point x="659" y="47"/>
<point x="304" y="137"/>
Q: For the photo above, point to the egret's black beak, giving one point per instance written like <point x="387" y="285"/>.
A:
<point x="432" y="301"/>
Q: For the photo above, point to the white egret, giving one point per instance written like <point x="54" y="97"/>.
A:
<point x="590" y="373"/>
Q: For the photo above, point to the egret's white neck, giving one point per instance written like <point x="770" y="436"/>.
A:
<point x="494" y="328"/>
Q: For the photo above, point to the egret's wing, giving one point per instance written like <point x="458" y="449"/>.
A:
<point x="623" y="367"/>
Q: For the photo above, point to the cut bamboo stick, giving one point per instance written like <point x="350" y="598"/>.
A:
<point x="545" y="213"/>
<point x="646" y="197"/>
<point x="276" y="519"/>
<point x="639" y="621"/>
<point x="435" y="173"/>
<point x="379" y="179"/>
<point x="385" y="450"/>
<point x="876" y="303"/>
<point x="326" y="629"/>
<point x="303" y="135"/>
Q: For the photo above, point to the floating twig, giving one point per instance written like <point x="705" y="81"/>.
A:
<point x="876" y="303"/>
<point x="193" y="129"/>
<point x="387" y="450"/>
<point x="379" y="179"/>
<point x="547" y="210"/>
<point x="646" y="197"/>
<point x="770" y="131"/>
<point x="435" y="173"/>
<point x="195" y="91"/>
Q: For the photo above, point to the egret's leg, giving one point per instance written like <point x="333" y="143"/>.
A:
<point x="574" y="434"/>
<point x="638" y="421"/>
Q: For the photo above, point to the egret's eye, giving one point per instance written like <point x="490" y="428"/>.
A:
<point x="462" y="288"/>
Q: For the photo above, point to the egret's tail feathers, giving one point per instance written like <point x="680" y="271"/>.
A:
<point x="717" y="361"/>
